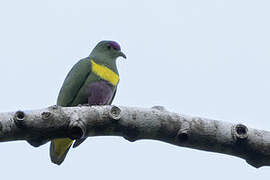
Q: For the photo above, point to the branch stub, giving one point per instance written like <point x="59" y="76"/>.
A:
<point x="115" y="113"/>
<point x="240" y="132"/>
<point x="77" y="129"/>
<point x="19" y="117"/>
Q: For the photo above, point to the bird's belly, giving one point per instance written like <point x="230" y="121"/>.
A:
<point x="98" y="93"/>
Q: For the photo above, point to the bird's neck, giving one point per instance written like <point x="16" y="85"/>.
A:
<point x="108" y="62"/>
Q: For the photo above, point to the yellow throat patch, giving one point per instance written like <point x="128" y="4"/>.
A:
<point x="105" y="73"/>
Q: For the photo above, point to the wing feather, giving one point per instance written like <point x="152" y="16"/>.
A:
<point x="73" y="82"/>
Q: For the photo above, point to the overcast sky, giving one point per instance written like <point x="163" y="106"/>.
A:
<point x="204" y="58"/>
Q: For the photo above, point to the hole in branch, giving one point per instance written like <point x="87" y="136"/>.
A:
<point x="240" y="132"/>
<point x="241" y="129"/>
<point x="20" y="115"/>
<point x="183" y="137"/>
<point x="76" y="132"/>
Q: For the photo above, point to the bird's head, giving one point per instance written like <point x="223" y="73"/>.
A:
<point x="107" y="51"/>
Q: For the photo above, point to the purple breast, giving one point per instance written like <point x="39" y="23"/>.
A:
<point x="99" y="93"/>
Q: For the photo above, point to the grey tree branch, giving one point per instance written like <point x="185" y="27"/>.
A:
<point x="39" y="126"/>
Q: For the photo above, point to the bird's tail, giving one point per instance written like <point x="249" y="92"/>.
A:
<point x="59" y="149"/>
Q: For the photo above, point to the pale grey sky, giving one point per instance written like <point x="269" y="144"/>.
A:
<point x="204" y="58"/>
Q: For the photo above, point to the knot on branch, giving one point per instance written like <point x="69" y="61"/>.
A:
<point x="53" y="107"/>
<point x="130" y="138"/>
<point x="115" y="113"/>
<point x="240" y="132"/>
<point x="19" y="118"/>
<point x="183" y="133"/>
<point x="77" y="129"/>
<point x="130" y="131"/>
<point x="160" y="108"/>
<point x="46" y="115"/>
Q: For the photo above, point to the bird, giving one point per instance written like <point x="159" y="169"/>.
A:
<point x="93" y="81"/>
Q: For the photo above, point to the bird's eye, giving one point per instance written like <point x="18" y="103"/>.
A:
<point x="109" y="47"/>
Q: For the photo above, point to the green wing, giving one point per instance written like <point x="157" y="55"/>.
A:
<point x="73" y="82"/>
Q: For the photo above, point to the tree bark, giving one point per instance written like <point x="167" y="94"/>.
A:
<point x="40" y="126"/>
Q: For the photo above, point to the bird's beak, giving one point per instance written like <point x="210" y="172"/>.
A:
<point x="122" y="54"/>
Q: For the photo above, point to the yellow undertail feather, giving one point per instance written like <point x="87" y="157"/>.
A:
<point x="59" y="149"/>
<point x="105" y="73"/>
